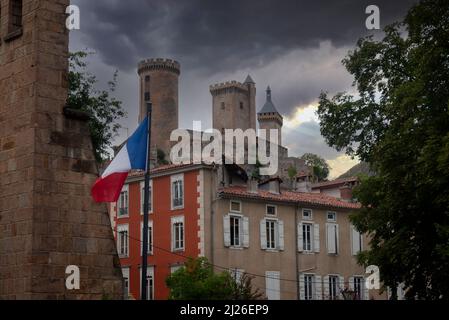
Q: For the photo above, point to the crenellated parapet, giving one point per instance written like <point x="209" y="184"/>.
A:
<point x="228" y="87"/>
<point x="157" y="64"/>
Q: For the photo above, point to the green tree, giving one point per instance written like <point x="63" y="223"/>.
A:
<point x="104" y="110"/>
<point x="319" y="165"/>
<point x="399" y="123"/>
<point x="292" y="172"/>
<point x="197" y="281"/>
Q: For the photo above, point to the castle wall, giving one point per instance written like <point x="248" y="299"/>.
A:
<point x="48" y="219"/>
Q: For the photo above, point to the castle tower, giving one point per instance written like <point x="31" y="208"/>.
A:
<point x="269" y="117"/>
<point x="234" y="105"/>
<point x="159" y="83"/>
<point x="48" y="220"/>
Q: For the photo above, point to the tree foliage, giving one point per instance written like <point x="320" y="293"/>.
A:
<point x="319" y="166"/>
<point x="399" y="123"/>
<point x="197" y="281"/>
<point x="104" y="110"/>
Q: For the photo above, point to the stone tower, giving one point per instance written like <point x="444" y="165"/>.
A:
<point x="159" y="83"/>
<point x="269" y="117"/>
<point x="48" y="219"/>
<point x="234" y="105"/>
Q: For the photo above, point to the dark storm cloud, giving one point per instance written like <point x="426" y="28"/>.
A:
<point x="218" y="35"/>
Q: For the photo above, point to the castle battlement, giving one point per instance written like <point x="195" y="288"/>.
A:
<point x="159" y="64"/>
<point x="232" y="85"/>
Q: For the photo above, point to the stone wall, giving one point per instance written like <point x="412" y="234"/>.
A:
<point x="48" y="219"/>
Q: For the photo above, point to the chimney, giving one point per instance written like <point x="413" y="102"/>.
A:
<point x="274" y="186"/>
<point x="252" y="185"/>
<point x="346" y="193"/>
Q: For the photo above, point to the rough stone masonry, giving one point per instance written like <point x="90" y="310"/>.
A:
<point x="47" y="217"/>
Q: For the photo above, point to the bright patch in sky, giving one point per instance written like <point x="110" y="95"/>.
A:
<point x="340" y="165"/>
<point x="301" y="115"/>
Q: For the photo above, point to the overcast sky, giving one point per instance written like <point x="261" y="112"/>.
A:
<point x="296" y="47"/>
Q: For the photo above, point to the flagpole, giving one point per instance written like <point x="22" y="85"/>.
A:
<point x="143" y="295"/>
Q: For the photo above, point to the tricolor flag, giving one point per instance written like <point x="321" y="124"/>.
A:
<point x="132" y="155"/>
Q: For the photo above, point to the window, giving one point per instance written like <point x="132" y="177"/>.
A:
<point x="356" y="241"/>
<point x="149" y="238"/>
<point x="147" y="96"/>
<point x="273" y="285"/>
<point x="177" y="195"/>
<point x="271" y="210"/>
<point x="175" y="268"/>
<point x="236" y="274"/>
<point x="125" y="273"/>
<point x="333" y="288"/>
<point x="358" y="287"/>
<point x="177" y="233"/>
<point x="149" y="283"/>
<point x="308" y="286"/>
<point x="331" y="216"/>
<point x="307" y="236"/>
<point x="332" y="238"/>
<point x="307" y="214"/>
<point x="15" y="16"/>
<point x="222" y="106"/>
<point x="235" y="229"/>
<point x="236" y="206"/>
<point x="142" y="197"/>
<point x="241" y="105"/>
<point x="122" y="240"/>
<point x="272" y="234"/>
<point x="122" y="205"/>
<point x="147" y="78"/>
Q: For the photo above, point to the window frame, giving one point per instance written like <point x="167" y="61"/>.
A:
<point x="275" y="210"/>
<point x="151" y="238"/>
<point x="333" y="295"/>
<point x="335" y="216"/>
<point x="275" y="234"/>
<point x="307" y="218"/>
<point x="125" y="190"/>
<point x="150" y="275"/>
<point x="173" y="179"/>
<point x="310" y="225"/>
<point x="240" y="230"/>
<point x="174" y="222"/>
<point x="310" y="276"/>
<point x="120" y="229"/>
<point x="235" y="201"/>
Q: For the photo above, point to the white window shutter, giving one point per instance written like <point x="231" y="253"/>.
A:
<point x="337" y="241"/>
<point x="300" y="238"/>
<point x="301" y="287"/>
<point x="281" y="234"/>
<point x="365" y="290"/>
<point x="246" y="232"/>
<point x="351" y="283"/>
<point x="263" y="234"/>
<point x="326" y="287"/>
<point x="355" y="241"/>
<point x="330" y="235"/>
<point x="226" y="231"/>
<point x="318" y="288"/>
<point x="316" y="237"/>
<point x="341" y="287"/>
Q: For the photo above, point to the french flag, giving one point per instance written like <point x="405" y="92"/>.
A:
<point x="132" y="155"/>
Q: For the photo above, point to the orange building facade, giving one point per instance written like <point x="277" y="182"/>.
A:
<point x="174" y="230"/>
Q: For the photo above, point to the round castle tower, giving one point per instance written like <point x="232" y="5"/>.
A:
<point x="159" y="84"/>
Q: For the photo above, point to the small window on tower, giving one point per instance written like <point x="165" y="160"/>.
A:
<point x="147" y="96"/>
<point x="222" y="106"/>
<point x="15" y="19"/>
<point x="241" y="105"/>
<point x="147" y="78"/>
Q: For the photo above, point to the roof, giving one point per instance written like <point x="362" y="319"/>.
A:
<point x="268" y="107"/>
<point x="161" y="169"/>
<point x="334" y="183"/>
<point x="306" y="198"/>
<point x="249" y="79"/>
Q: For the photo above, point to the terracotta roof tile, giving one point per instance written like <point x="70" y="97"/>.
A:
<point x="317" y="199"/>
<point x="334" y="182"/>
